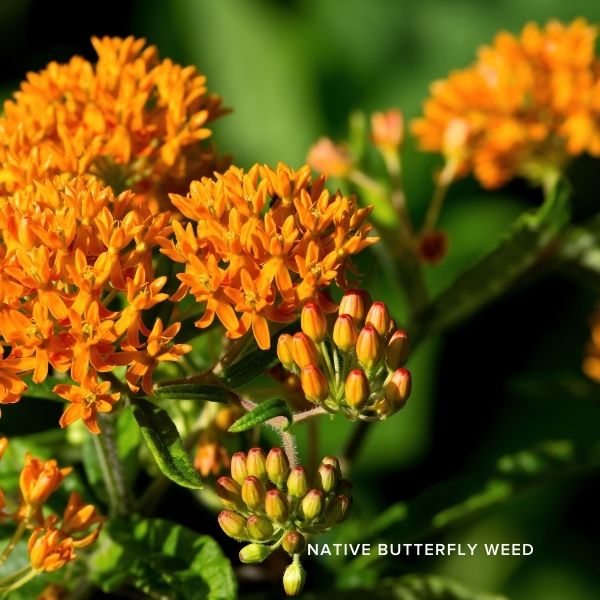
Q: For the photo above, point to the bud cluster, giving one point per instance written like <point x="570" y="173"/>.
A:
<point x="269" y="505"/>
<point x="353" y="365"/>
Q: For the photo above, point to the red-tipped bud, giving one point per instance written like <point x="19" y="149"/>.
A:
<point x="297" y="483"/>
<point x="368" y="347"/>
<point x="335" y="463"/>
<point x="397" y="350"/>
<point x="313" y="322"/>
<point x="312" y="504"/>
<point x="239" y="472"/>
<point x="259" y="527"/>
<point x="256" y="463"/>
<point x="284" y="351"/>
<point x="304" y="350"/>
<point x="345" y="333"/>
<point x="294" y="578"/>
<point x="387" y="129"/>
<point x="293" y="542"/>
<point x="356" y="389"/>
<point x="233" y="524"/>
<point x="229" y="492"/>
<point x="276" y="506"/>
<point x="278" y="466"/>
<point x="254" y="553"/>
<point x="355" y="303"/>
<point x="338" y="509"/>
<point x="327" y="157"/>
<point x="314" y="384"/>
<point x="326" y="478"/>
<point x="253" y="493"/>
<point x="379" y="317"/>
<point x="398" y="388"/>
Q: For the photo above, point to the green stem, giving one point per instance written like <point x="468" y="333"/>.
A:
<point x="7" y="580"/>
<point x="17" y="584"/>
<point x="439" y="195"/>
<point x="17" y="535"/>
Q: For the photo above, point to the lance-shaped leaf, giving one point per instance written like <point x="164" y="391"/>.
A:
<point x="265" y="411"/>
<point x="163" y="441"/>
<point x="194" y="391"/>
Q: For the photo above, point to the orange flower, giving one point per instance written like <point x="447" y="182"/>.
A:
<point x="11" y="385"/>
<point x="40" y="478"/>
<point x="79" y="517"/>
<point x="523" y="108"/>
<point x="211" y="457"/>
<point x="49" y="551"/>
<point x="265" y="242"/>
<point x="87" y="400"/>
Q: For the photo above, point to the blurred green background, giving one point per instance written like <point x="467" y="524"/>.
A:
<point x="508" y="379"/>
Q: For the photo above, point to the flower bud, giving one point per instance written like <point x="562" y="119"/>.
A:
<point x="239" y="472"/>
<point x="297" y="483"/>
<point x="345" y="333"/>
<point x="313" y="322"/>
<point x="293" y="542"/>
<point x="293" y="579"/>
<point x="256" y="463"/>
<point x="314" y="384"/>
<point x="304" y="350"/>
<point x="327" y="157"/>
<point x="254" y="553"/>
<point x="335" y="463"/>
<point x="229" y="492"/>
<point x="253" y="492"/>
<point x="326" y="478"/>
<point x="356" y="389"/>
<point x="387" y="129"/>
<point x="233" y="524"/>
<point x="284" y="351"/>
<point x="312" y="504"/>
<point x="368" y="347"/>
<point x="355" y="303"/>
<point x="379" y="317"/>
<point x="338" y="509"/>
<point x="398" y="388"/>
<point x="397" y="350"/>
<point x="278" y="466"/>
<point x="276" y="506"/>
<point x="259" y="527"/>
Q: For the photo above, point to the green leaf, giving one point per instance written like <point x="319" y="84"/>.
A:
<point x="263" y="412"/>
<point x="43" y="390"/>
<point x="162" y="559"/>
<point x="163" y="441"/>
<point x="497" y="272"/>
<point x="194" y="391"/>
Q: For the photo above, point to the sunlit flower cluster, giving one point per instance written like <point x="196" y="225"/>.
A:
<point x="76" y="277"/>
<point x="260" y="244"/>
<point x="526" y="105"/>
<point x="131" y="119"/>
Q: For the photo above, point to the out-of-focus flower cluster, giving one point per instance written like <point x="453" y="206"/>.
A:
<point x="270" y="505"/>
<point x="259" y="245"/>
<point x="76" y="276"/>
<point x="131" y="119"/>
<point x="354" y="365"/>
<point x="591" y="361"/>
<point x="526" y="105"/>
<point x="53" y="539"/>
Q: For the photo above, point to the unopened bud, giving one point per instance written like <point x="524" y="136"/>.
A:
<point x="314" y="384"/>
<point x="256" y="463"/>
<point x="293" y="579"/>
<point x="397" y="350"/>
<point x="284" y="351"/>
<point x="254" y="553"/>
<point x="313" y="322"/>
<point x="398" y="388"/>
<point x="239" y="472"/>
<point x="345" y="333"/>
<point x="297" y="483"/>
<point x="356" y="389"/>
<point x="259" y="527"/>
<point x="387" y="129"/>
<point x="304" y="350"/>
<point x="293" y="542"/>
<point x="355" y="303"/>
<point x="368" y="347"/>
<point x="276" y="506"/>
<point x="326" y="478"/>
<point x="338" y="509"/>
<point x="327" y="157"/>
<point x="229" y="492"/>
<point x="335" y="463"/>
<point x="312" y="504"/>
<point x="278" y="466"/>
<point x="233" y="524"/>
<point x="253" y="493"/>
<point x="379" y="317"/>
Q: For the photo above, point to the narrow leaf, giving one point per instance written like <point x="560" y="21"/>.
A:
<point x="163" y="441"/>
<point x="194" y="391"/>
<point x="263" y="412"/>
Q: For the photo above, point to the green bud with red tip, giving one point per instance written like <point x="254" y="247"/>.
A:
<point x="229" y="493"/>
<point x="253" y="492"/>
<point x="294" y="579"/>
<point x="313" y="322"/>
<point x="297" y="483"/>
<point x="293" y="542"/>
<point x="277" y="466"/>
<point x="259" y="527"/>
<point x="398" y="388"/>
<point x="368" y="347"/>
<point x="239" y="472"/>
<point x="284" y="351"/>
<point x="326" y="478"/>
<point x="233" y="524"/>
<point x="256" y="464"/>
<point x="313" y="504"/>
<point x="396" y="353"/>
<point x="355" y="303"/>
<point x="379" y="317"/>
<point x="335" y="463"/>
<point x="276" y="506"/>
<point x="254" y="553"/>
<point x="356" y="389"/>
<point x="314" y="384"/>
<point x="338" y="509"/>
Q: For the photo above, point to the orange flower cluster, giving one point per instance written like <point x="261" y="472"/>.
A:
<point x="134" y="121"/>
<point x="76" y="276"/>
<point x="264" y="243"/>
<point x="525" y="106"/>
<point x="53" y="540"/>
